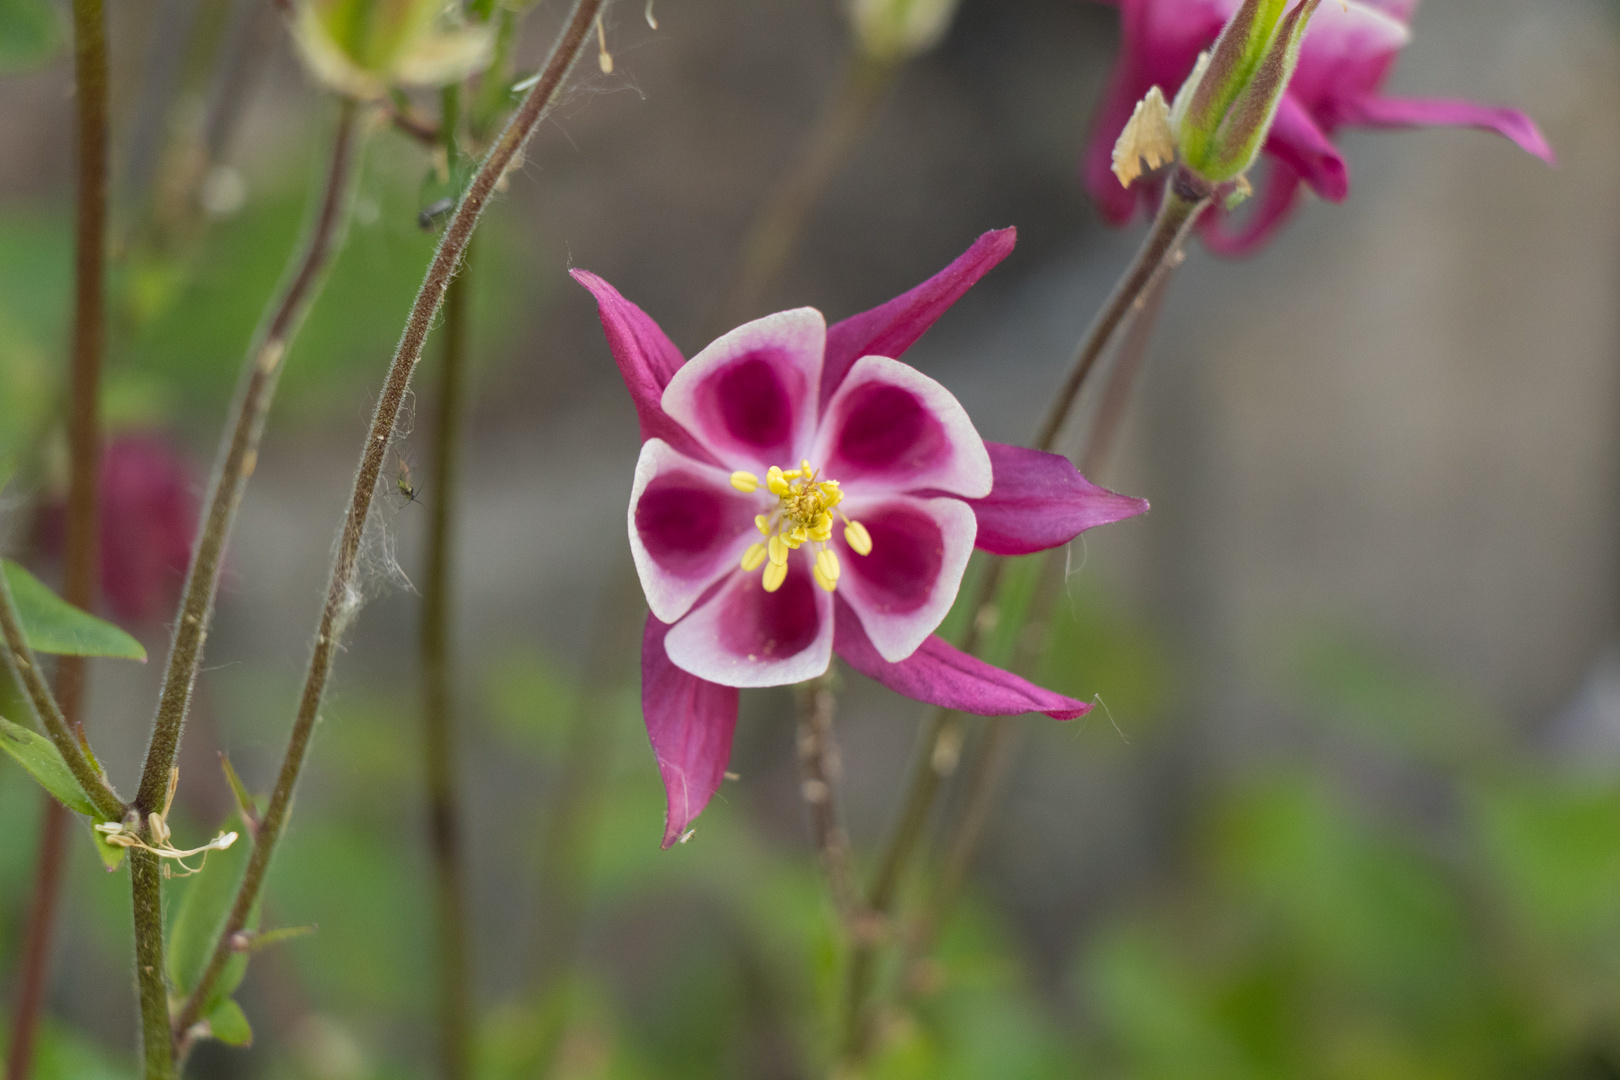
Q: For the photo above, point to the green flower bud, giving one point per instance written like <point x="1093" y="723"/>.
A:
<point x="1224" y="111"/>
<point x="365" y="48"/>
<point x="900" y="29"/>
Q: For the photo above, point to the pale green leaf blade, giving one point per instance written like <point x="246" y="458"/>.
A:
<point x="44" y="763"/>
<point x="229" y="1024"/>
<point x="203" y="908"/>
<point x="55" y="626"/>
<point x="30" y="33"/>
<point x="112" y="856"/>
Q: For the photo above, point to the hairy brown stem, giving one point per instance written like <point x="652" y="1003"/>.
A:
<point x="81" y="547"/>
<point x="1186" y="197"/>
<point x="438" y="710"/>
<point x="820" y="766"/>
<point x="342" y="599"/>
<point x="237" y="457"/>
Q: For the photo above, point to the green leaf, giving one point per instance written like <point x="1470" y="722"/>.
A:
<point x="201" y="915"/>
<point x="44" y="763"/>
<point x="30" y="32"/>
<point x="112" y="856"/>
<point x="55" y="626"/>
<point x="229" y="1024"/>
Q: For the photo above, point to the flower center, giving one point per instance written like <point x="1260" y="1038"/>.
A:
<point x="805" y="507"/>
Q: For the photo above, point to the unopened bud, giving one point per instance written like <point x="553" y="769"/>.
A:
<point x="1224" y="111"/>
<point x="900" y="29"/>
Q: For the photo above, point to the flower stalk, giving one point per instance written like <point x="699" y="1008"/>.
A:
<point x="938" y="748"/>
<point x="341" y="598"/>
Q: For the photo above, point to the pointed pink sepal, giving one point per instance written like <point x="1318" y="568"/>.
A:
<point x="892" y="328"/>
<point x="942" y="675"/>
<point x="647" y="359"/>
<point x="690" y="723"/>
<point x="1040" y="501"/>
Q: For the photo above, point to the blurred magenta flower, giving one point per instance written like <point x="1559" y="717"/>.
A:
<point x="148" y="520"/>
<point x="801" y="492"/>
<point x="1347" y="55"/>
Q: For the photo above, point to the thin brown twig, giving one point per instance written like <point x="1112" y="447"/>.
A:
<point x="84" y="500"/>
<point x="820" y="765"/>
<point x="342" y="599"/>
<point x="439" y="749"/>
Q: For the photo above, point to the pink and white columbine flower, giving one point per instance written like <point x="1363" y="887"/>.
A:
<point x="802" y="492"/>
<point x="1347" y="56"/>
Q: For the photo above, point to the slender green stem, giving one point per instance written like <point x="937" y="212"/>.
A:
<point x="146" y="887"/>
<point x="342" y="597"/>
<point x="776" y="230"/>
<point x="438" y="719"/>
<point x="1185" y="198"/>
<point x="984" y="779"/>
<point x="938" y="747"/>
<point x="239" y="454"/>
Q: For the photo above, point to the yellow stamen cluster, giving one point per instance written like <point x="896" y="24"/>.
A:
<point x="803" y="515"/>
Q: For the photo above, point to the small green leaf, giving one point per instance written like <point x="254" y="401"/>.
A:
<point x="44" y="763"/>
<point x="30" y="32"/>
<point x="55" y="626"/>
<point x="201" y="914"/>
<point x="229" y="1024"/>
<point x="112" y="856"/>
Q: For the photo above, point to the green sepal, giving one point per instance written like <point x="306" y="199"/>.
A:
<point x="268" y="938"/>
<point x="52" y="625"/>
<point x="37" y="754"/>
<point x="1222" y="121"/>
<point x="1244" y="129"/>
<point x="229" y="1024"/>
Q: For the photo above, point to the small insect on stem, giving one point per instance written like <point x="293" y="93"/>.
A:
<point x="403" y="481"/>
<point x="432" y="212"/>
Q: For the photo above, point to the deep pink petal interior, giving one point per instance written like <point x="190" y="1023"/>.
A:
<point x="753" y="403"/>
<point x="772" y="625"/>
<point x="683" y="521"/>
<point x="908" y="551"/>
<point x="885" y="430"/>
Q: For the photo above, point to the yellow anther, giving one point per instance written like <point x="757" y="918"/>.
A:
<point x="823" y="580"/>
<point x="763" y="524"/>
<point x="822" y="529"/>
<point x="744" y="482"/>
<point x="858" y="539"/>
<point x="754" y="557"/>
<point x="777" y="548"/>
<point x="776" y="481"/>
<point x="775" y="574"/>
<point x="798" y="536"/>
<point x="827" y="563"/>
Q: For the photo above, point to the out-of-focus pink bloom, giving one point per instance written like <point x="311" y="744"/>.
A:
<point x="148" y="521"/>
<point x="802" y="492"/>
<point x="1348" y="52"/>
